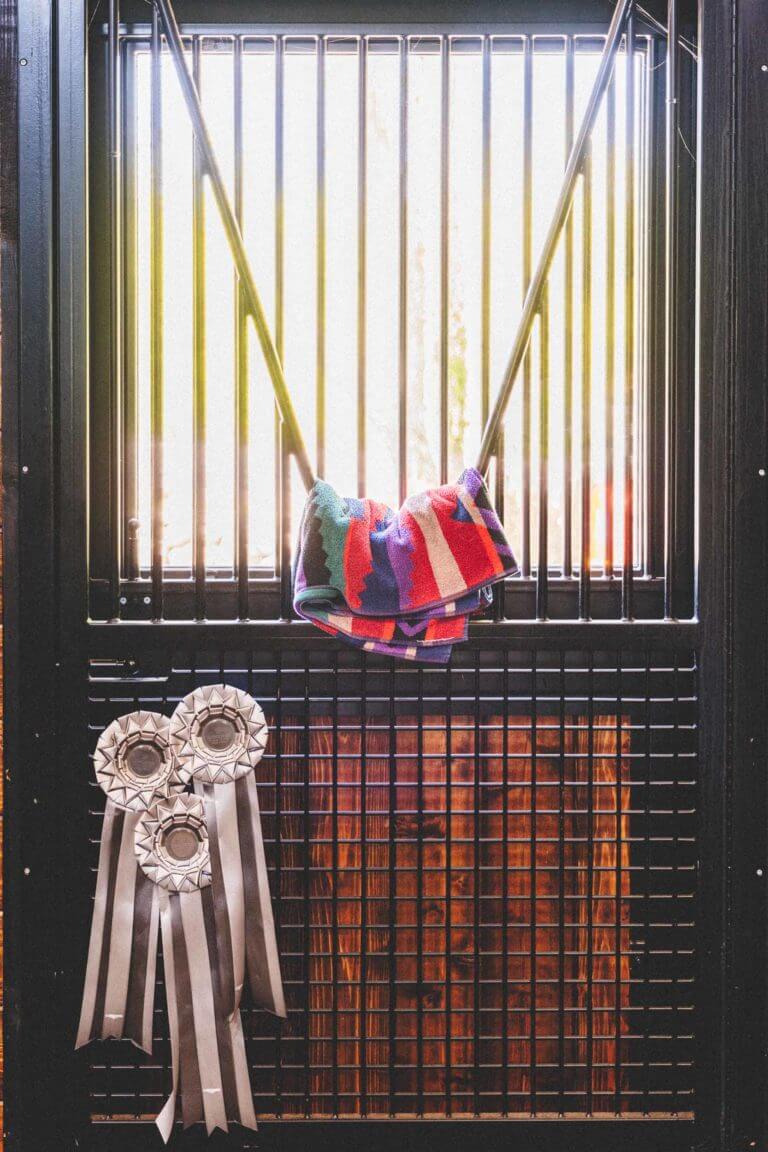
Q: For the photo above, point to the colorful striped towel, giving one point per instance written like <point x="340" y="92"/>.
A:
<point x="401" y="583"/>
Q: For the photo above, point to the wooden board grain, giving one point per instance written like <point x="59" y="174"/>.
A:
<point x="459" y="956"/>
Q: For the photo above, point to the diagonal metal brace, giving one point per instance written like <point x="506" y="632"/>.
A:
<point x="533" y="297"/>
<point x="253" y="303"/>
<point x="538" y="283"/>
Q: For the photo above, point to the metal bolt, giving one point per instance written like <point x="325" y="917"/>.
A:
<point x="26" y="871"/>
<point x="147" y="599"/>
<point x="761" y="471"/>
<point x="25" y="468"/>
<point x="123" y="599"/>
<point x="23" y="62"/>
<point x="764" y="67"/>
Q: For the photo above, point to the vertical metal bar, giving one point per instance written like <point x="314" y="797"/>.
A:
<point x="307" y="911"/>
<point x="476" y="882"/>
<point x="485" y="297"/>
<point x="671" y="286"/>
<point x="590" y="893"/>
<point x="320" y="398"/>
<point x="335" y="967"/>
<point x="647" y="900"/>
<point x="277" y="882"/>
<point x="487" y="250"/>
<point x="542" y="568"/>
<point x="561" y="896"/>
<point x="157" y="321"/>
<point x="585" y="563"/>
<point x="527" y="259"/>
<point x="242" y="422"/>
<point x="115" y="306"/>
<point x="392" y="878"/>
<point x="500" y="589"/>
<point x="362" y="269"/>
<point x="610" y="322"/>
<point x="364" y="888"/>
<point x="568" y="330"/>
<point x="420" y="895"/>
<point x="619" y="762"/>
<point x="533" y="802"/>
<point x="445" y="137"/>
<point x="449" y="889"/>
<point x="130" y="405"/>
<point x="505" y="888"/>
<point x="627" y="591"/>
<point x="282" y="453"/>
<point x="199" y="374"/>
<point x="402" y="418"/>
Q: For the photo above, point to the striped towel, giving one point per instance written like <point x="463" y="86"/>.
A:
<point x="400" y="583"/>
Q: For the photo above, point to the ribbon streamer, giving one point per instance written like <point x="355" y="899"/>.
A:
<point x="210" y="1070"/>
<point x="219" y="735"/>
<point x="134" y="765"/>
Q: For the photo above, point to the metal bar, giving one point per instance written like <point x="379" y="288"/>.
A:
<point x="307" y="887"/>
<point x="590" y="875"/>
<point x="687" y="45"/>
<point x="420" y="894"/>
<point x="237" y="246"/>
<point x="114" y="115"/>
<point x="448" y="888"/>
<point x="542" y="567"/>
<point x="532" y="919"/>
<point x="156" y="316"/>
<point x="618" y="763"/>
<point x="242" y="414"/>
<point x="568" y="329"/>
<point x="130" y="416"/>
<point x="320" y="374"/>
<point x="335" y="888"/>
<point x="532" y="299"/>
<point x="364" y="888"/>
<point x="278" y="287"/>
<point x="670" y="343"/>
<point x="477" y="805"/>
<point x="527" y="249"/>
<point x="505" y="1008"/>
<point x="485" y="301"/>
<point x="282" y="447"/>
<point x="610" y="323"/>
<point x="362" y="268"/>
<point x="199" y="367"/>
<point x="585" y="562"/>
<point x="561" y="897"/>
<point x="277" y="881"/>
<point x="402" y="331"/>
<point x="445" y="139"/>
<point x="627" y="589"/>
<point x="392" y="864"/>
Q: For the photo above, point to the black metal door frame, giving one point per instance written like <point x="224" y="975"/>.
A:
<point x="47" y="641"/>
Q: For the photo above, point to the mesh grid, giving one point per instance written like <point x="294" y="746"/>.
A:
<point x="483" y="881"/>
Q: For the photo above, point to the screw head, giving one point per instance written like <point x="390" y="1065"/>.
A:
<point x="23" y="62"/>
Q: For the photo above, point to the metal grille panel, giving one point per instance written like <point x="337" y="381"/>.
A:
<point x="483" y="881"/>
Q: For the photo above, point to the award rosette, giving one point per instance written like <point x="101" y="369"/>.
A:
<point x="134" y="766"/>
<point x="219" y="735"/>
<point x="210" y="1070"/>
